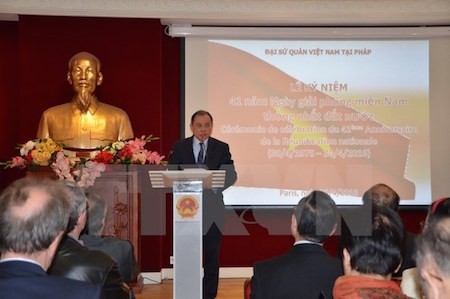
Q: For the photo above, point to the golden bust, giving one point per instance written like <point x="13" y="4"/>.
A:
<point x="85" y="122"/>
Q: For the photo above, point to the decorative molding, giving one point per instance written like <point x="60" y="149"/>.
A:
<point x="307" y="32"/>
<point x="247" y="12"/>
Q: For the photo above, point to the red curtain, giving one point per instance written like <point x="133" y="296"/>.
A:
<point x="141" y="68"/>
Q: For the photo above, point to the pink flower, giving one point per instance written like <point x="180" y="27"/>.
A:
<point x="18" y="162"/>
<point x="154" y="158"/>
<point x="90" y="172"/>
<point x="137" y="144"/>
<point x="61" y="167"/>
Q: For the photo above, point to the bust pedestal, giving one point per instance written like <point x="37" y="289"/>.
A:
<point x="42" y="172"/>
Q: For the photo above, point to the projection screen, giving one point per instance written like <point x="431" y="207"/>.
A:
<point x="338" y="115"/>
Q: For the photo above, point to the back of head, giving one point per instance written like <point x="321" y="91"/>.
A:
<point x="382" y="195"/>
<point x="77" y="201"/>
<point x="32" y="214"/>
<point x="381" y="252"/>
<point x="96" y="213"/>
<point x="433" y="244"/>
<point x="439" y="209"/>
<point x="433" y="247"/>
<point x="316" y="216"/>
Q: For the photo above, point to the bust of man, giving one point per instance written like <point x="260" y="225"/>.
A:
<point x="85" y="122"/>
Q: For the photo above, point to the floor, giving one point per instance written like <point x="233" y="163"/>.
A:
<point x="229" y="288"/>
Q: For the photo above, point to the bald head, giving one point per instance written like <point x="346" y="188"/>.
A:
<point x="36" y="202"/>
<point x="382" y="195"/>
<point x="32" y="214"/>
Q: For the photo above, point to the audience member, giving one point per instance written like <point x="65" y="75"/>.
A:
<point x="433" y="259"/>
<point x="121" y="250"/>
<point x="33" y="218"/>
<point x="73" y="260"/>
<point x="307" y="270"/>
<point x="359" y="221"/>
<point x="439" y="209"/>
<point x="383" y="195"/>
<point x="370" y="261"/>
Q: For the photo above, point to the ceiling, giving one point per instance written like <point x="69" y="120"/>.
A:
<point x="246" y="12"/>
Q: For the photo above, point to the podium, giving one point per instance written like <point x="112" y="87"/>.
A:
<point x="187" y="185"/>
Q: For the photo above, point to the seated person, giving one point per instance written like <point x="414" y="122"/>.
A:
<point x="75" y="261"/>
<point x="307" y="270"/>
<point x="383" y="195"/>
<point x="433" y="258"/>
<point x="121" y="250"/>
<point x="370" y="261"/>
<point x="439" y="209"/>
<point x="358" y="221"/>
<point x="33" y="218"/>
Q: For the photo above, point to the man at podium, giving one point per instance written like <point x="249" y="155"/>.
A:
<point x="202" y="150"/>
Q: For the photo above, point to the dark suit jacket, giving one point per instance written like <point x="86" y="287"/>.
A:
<point x="119" y="249"/>
<point x="25" y="280"/>
<point x="304" y="272"/>
<point x="218" y="157"/>
<point x="76" y="261"/>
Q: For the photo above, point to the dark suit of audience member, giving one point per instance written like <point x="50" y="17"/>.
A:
<point x="215" y="155"/>
<point x="121" y="250"/>
<point x="75" y="261"/>
<point x="307" y="271"/>
<point x="357" y="221"/>
<point x="33" y="218"/>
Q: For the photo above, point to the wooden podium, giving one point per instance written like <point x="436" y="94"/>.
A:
<point x="188" y="188"/>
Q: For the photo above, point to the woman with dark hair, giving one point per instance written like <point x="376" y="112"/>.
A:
<point x="369" y="261"/>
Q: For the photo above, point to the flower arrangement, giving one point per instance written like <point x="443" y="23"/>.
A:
<point x="84" y="171"/>
<point x="128" y="152"/>
<point x="35" y="153"/>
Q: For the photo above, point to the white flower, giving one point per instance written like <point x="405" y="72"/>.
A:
<point x="140" y="158"/>
<point x="27" y="147"/>
<point x="118" y="145"/>
<point x="93" y="154"/>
